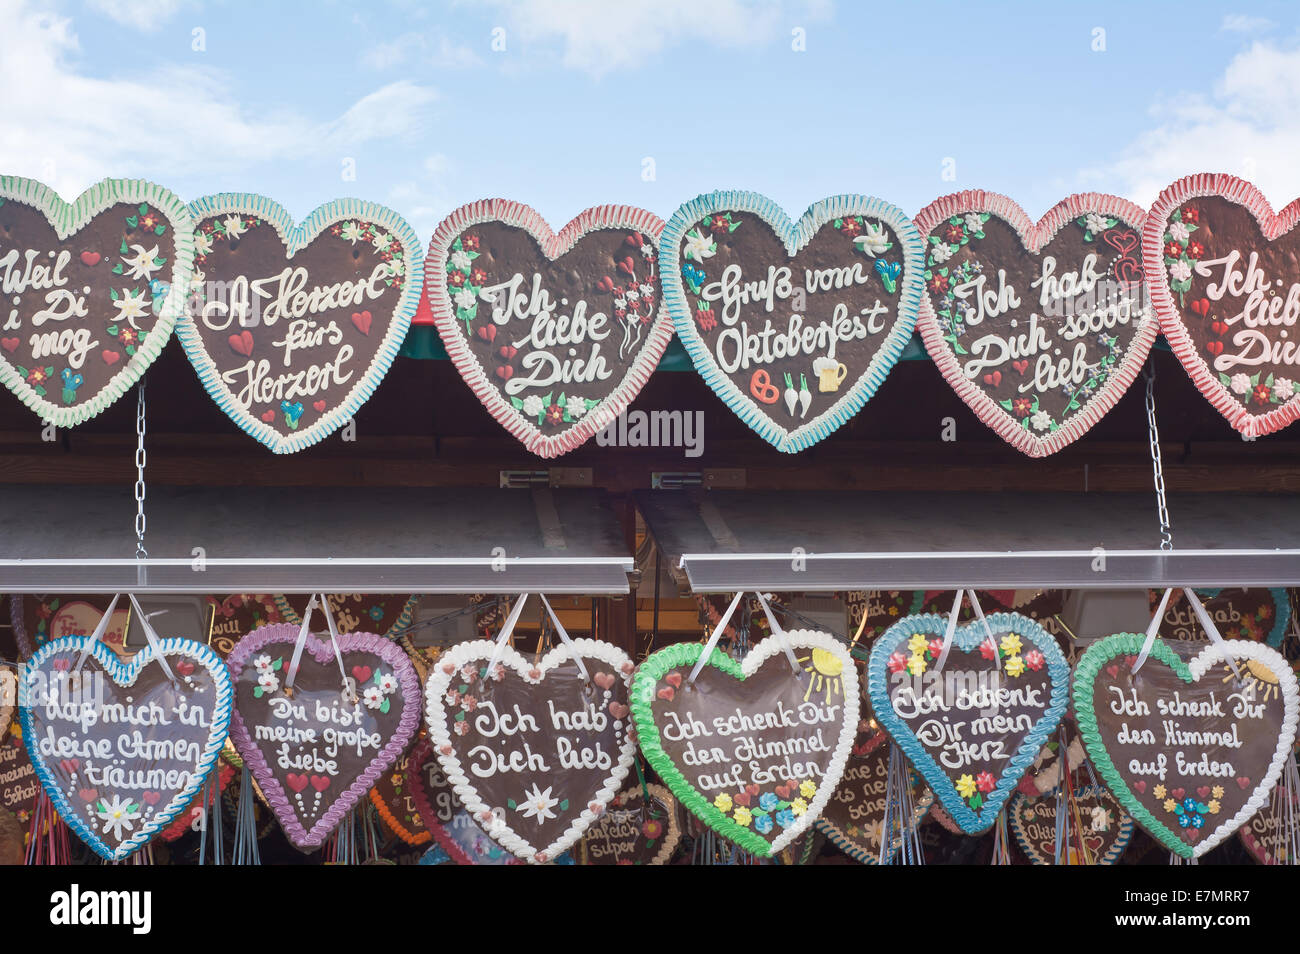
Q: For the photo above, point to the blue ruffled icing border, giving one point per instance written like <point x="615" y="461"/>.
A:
<point x="125" y="672"/>
<point x="966" y="638"/>
<point x="296" y="238"/>
<point x="795" y="236"/>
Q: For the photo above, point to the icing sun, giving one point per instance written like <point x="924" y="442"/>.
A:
<point x="1260" y="677"/>
<point x="827" y="671"/>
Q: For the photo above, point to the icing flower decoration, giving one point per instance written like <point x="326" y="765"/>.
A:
<point x="742" y="816"/>
<point x="767" y="802"/>
<point x="699" y="247"/>
<point x="373" y="697"/>
<point x="576" y="406"/>
<point x="1014" y="666"/>
<point x="117" y="813"/>
<point x="233" y="226"/>
<point x="538" y="804"/>
<point x="1217" y="791"/>
<point x="351" y="232"/>
<point x="1190" y="214"/>
<point x="936" y="648"/>
<point x="722" y="803"/>
<point x="1159" y="792"/>
<point x="652" y="828"/>
<point x="897" y="663"/>
<point x="988" y="650"/>
<point x="1035" y="660"/>
<point x="1180" y="233"/>
<point x="387" y="683"/>
<point x="985" y="782"/>
<point x="873" y="241"/>
<point x="1240" y="383"/>
<point x="785" y="818"/>
<point x="268" y="681"/>
<point x="1214" y="806"/>
<point x="807" y="788"/>
<point x="799" y="806"/>
<point x="262" y="663"/>
<point x="966" y="785"/>
<point x="1180" y="271"/>
<point x="1011" y="644"/>
<point x="132" y="305"/>
<point x="763" y="824"/>
<point x="916" y="665"/>
<point x="917" y="643"/>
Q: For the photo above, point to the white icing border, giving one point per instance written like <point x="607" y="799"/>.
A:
<point x="435" y="688"/>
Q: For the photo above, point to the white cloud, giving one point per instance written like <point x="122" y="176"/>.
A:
<point x="438" y="52"/>
<point x="1241" y="23"/>
<point x="71" y="129"/>
<point x="426" y="199"/>
<point x="146" y="15"/>
<point x="600" y="36"/>
<point x="1248" y="125"/>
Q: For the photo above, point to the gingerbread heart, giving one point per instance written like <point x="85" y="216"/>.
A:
<point x="316" y="749"/>
<point x="1160" y="735"/>
<point x="1107" y="828"/>
<point x="36" y="620"/>
<point x="974" y="728"/>
<point x="1226" y="284"/>
<point x="120" y="747"/>
<point x="532" y="751"/>
<point x="388" y="614"/>
<point x="442" y="814"/>
<point x="292" y="327"/>
<point x="726" y="744"/>
<point x="1256" y="613"/>
<point x="1265" y="835"/>
<point x="1039" y="327"/>
<point x="854" y="819"/>
<point x="576" y="317"/>
<point x="92" y="290"/>
<point x="793" y="324"/>
<point x="394" y="797"/>
<point x="633" y="830"/>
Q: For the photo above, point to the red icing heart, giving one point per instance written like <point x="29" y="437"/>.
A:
<point x="62" y="664"/>
<point x="1178" y="793"/>
<point x="295" y="781"/>
<point x="1113" y="669"/>
<point x="242" y="343"/>
<point x="1204" y="792"/>
<point x="320" y="782"/>
<point x="626" y="266"/>
<point x="487" y="332"/>
<point x="505" y="372"/>
<point x="111" y="357"/>
<point x="635" y="240"/>
<point x="150" y="797"/>
<point x="753" y="789"/>
<point x="1243" y="781"/>
<point x="69" y="765"/>
<point x="362" y="321"/>
<point x="446" y="749"/>
<point x="667" y="693"/>
<point x="1131" y="660"/>
<point x="786" y="790"/>
<point x="268" y="416"/>
<point x="508" y="352"/>
<point x="319" y="406"/>
<point x="1219" y="327"/>
<point x="1214" y="347"/>
<point x="1021" y="366"/>
<point x="1141" y="785"/>
<point x="618" y="710"/>
<point x="10" y="344"/>
<point x="741" y="798"/>
<point x="674" y="679"/>
<point x="605" y="284"/>
<point x="1201" y="306"/>
<point x="993" y="379"/>
<point x="90" y="259"/>
<point x="1192" y="834"/>
<point x="604" y="679"/>
<point x="448" y="668"/>
<point x="88" y="794"/>
<point x="184" y="667"/>
<point x="362" y="673"/>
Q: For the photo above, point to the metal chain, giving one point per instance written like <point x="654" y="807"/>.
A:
<point x="1157" y="466"/>
<point x="140" y="552"/>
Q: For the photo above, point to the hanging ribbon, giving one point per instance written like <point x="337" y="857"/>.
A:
<point x="779" y="633"/>
<point x="507" y="628"/>
<point x="713" y="640"/>
<point x="564" y="638"/>
<point x="100" y="628"/>
<point x="1207" y="624"/>
<point x="952" y="629"/>
<point x="301" y="642"/>
<point x="152" y="638"/>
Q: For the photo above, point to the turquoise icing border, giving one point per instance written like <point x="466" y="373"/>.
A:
<point x="125" y="672"/>
<point x="1031" y="852"/>
<point x="296" y="238"/>
<point x="966" y="638"/>
<point x="795" y="236"/>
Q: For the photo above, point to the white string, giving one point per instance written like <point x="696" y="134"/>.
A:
<point x="334" y="639"/>
<point x="100" y="628"/>
<point x="507" y="628"/>
<point x="564" y="638"/>
<point x="713" y="640"/>
<point x="1207" y="624"/>
<point x="301" y="642"/>
<point x="949" y="632"/>
<point x="152" y="638"/>
<point x="779" y="633"/>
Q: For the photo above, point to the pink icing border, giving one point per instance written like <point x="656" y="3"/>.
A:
<point x="1272" y="224"/>
<point x="435" y="298"/>
<point x="274" y="792"/>
<point x="1034" y="235"/>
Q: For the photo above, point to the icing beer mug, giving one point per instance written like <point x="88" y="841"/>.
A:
<point x="830" y="374"/>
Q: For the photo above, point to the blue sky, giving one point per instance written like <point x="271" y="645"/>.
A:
<point x="281" y="95"/>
